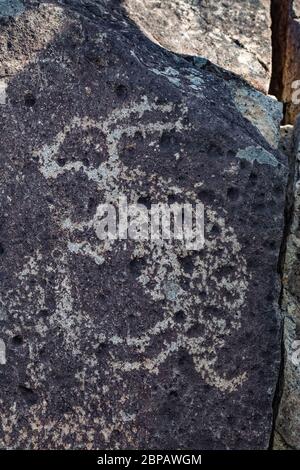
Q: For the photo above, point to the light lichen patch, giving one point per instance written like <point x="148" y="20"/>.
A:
<point x="264" y="112"/>
<point x="11" y="8"/>
<point x="262" y="156"/>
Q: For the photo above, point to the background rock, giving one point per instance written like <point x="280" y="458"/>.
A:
<point x="291" y="90"/>
<point x="234" y="34"/>
<point x="285" y="84"/>
<point x="288" y="420"/>
<point x="143" y="347"/>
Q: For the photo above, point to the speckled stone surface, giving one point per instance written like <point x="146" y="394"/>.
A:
<point x="285" y="83"/>
<point x="291" y="76"/>
<point x="147" y="346"/>
<point x="10" y="8"/>
<point x="288" y="420"/>
<point x="234" y="34"/>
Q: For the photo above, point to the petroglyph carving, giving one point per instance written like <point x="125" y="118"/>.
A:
<point x="163" y="273"/>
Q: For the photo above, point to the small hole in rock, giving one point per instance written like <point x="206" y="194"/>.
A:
<point x="86" y="162"/>
<point x="136" y="265"/>
<point x="179" y="316"/>
<point x="145" y="201"/>
<point x="102" y="349"/>
<point x="138" y="136"/>
<point x="206" y="196"/>
<point x="17" y="340"/>
<point x="28" y="394"/>
<point x="44" y="312"/>
<point x="61" y="161"/>
<point x="92" y="204"/>
<point x="215" y="230"/>
<point x="244" y="164"/>
<point x="233" y="194"/>
<point x="121" y="91"/>
<point x="49" y="199"/>
<point x="172" y="199"/>
<point x="253" y="177"/>
<point x="166" y="139"/>
<point x="187" y="264"/>
<point x="29" y="100"/>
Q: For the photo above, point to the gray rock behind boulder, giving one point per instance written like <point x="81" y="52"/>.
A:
<point x="235" y="34"/>
<point x="288" y="419"/>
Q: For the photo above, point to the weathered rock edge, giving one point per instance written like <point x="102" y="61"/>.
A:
<point x="287" y="429"/>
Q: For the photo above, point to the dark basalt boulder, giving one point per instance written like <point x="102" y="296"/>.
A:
<point x="126" y="344"/>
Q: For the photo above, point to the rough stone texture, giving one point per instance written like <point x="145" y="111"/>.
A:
<point x="291" y="90"/>
<point x="285" y="82"/>
<point x="148" y="346"/>
<point x="288" y="420"/>
<point x="264" y="112"/>
<point x="286" y="143"/>
<point x="10" y="8"/>
<point x="234" y="34"/>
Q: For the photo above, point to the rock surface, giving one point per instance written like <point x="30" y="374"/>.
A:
<point x="234" y="34"/>
<point x="288" y="421"/>
<point x="291" y="78"/>
<point x="285" y="82"/>
<point x="10" y="8"/>
<point x="107" y="344"/>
